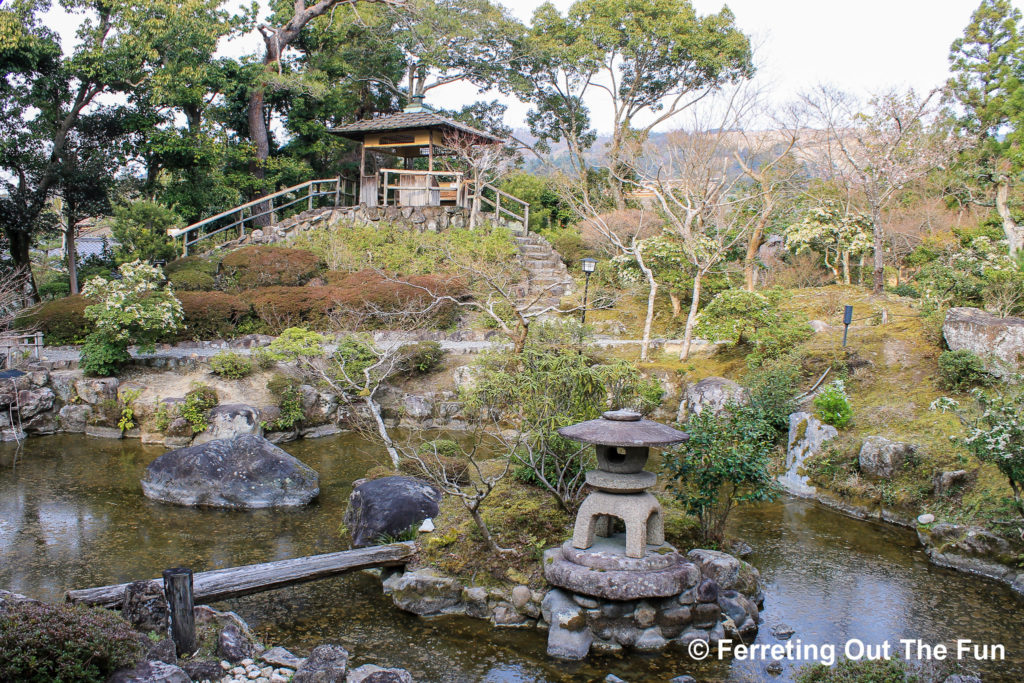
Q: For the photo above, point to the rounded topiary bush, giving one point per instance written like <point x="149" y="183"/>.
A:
<point x="266" y="266"/>
<point x="279" y="308"/>
<point x="211" y="315"/>
<point x="61" y="321"/>
<point x="46" y="643"/>
<point x="192" y="281"/>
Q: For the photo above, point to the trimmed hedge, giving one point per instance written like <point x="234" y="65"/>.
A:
<point x="368" y="297"/>
<point x="211" y="315"/>
<point x="279" y="308"/>
<point x="191" y="281"/>
<point x="259" y="266"/>
<point x="62" y="321"/>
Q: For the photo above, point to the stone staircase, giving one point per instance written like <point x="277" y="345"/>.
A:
<point x="547" y="276"/>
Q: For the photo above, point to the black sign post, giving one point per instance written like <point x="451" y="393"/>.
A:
<point x="847" y="319"/>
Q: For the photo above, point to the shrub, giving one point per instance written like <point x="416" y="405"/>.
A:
<point x="103" y="357"/>
<point x="739" y="317"/>
<point x="422" y="358"/>
<point x="43" y="643"/>
<point x="202" y="264"/>
<point x="134" y="309"/>
<point x="61" y="321"/>
<point x="191" y="281"/>
<point x="294" y="343"/>
<point x="865" y="671"/>
<point x="725" y="462"/>
<point x="54" y="289"/>
<point x="211" y="315"/>
<point x="368" y="298"/>
<point x="279" y="308"/>
<point x="962" y="370"/>
<point x="231" y="365"/>
<point x="832" y="405"/>
<point x="289" y="401"/>
<point x="267" y="266"/>
<point x="906" y="290"/>
<point x="773" y="389"/>
<point x="196" y="404"/>
<point x="140" y="229"/>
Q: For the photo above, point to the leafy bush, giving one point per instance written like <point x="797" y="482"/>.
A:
<point x="192" y="281"/>
<point x="61" y="321"/>
<point x="906" y="290"/>
<point x="231" y="365"/>
<point x="278" y="308"/>
<point x="140" y="229"/>
<point x="369" y="299"/>
<point x="54" y="289"/>
<point x="725" y="462"/>
<point x="739" y="317"/>
<point x="202" y="264"/>
<point x="289" y="402"/>
<point x="268" y="266"/>
<point x="134" y="309"/>
<point x="196" y="404"/>
<point x="211" y="315"/>
<point x="773" y="389"/>
<point x="43" y="643"/>
<point x="832" y="405"/>
<point x="962" y="370"/>
<point x="294" y="343"/>
<point x="422" y="358"/>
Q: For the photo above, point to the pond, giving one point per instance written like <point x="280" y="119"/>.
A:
<point x="72" y="515"/>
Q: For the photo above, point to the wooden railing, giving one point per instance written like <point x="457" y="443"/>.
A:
<point x="28" y="343"/>
<point x="502" y="209"/>
<point x="450" y="187"/>
<point x="266" y="211"/>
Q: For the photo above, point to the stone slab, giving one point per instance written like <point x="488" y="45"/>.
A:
<point x="621" y="483"/>
<point x="609" y="554"/>
<point x="619" y="585"/>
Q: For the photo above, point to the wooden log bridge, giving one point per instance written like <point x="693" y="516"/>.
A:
<point x="221" y="584"/>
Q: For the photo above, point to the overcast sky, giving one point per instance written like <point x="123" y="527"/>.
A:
<point x="860" y="46"/>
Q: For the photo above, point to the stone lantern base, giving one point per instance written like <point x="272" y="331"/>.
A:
<point x="607" y="601"/>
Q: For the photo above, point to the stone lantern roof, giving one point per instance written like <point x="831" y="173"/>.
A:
<point x="624" y="428"/>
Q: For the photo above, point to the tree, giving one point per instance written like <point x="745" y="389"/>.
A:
<point x="880" y="150"/>
<point x="276" y="39"/>
<point x="987" y="64"/>
<point x="649" y="59"/>
<point x="835" y="232"/>
<point x="725" y="462"/>
<point x="140" y="229"/>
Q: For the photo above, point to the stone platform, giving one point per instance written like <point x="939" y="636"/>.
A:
<point x="608" y="601"/>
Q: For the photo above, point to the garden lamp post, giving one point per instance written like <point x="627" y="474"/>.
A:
<point x="847" y="319"/>
<point x="589" y="266"/>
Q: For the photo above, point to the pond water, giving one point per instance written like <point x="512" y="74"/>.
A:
<point x="72" y="515"/>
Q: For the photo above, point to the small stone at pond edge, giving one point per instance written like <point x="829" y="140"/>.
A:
<point x="427" y="526"/>
<point x="774" y="668"/>
<point x="683" y="679"/>
<point x="612" y="678"/>
<point x="782" y="631"/>
<point x="926" y="519"/>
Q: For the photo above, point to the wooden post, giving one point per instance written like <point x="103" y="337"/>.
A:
<point x="39" y="345"/>
<point x="178" y="589"/>
<point x="311" y="195"/>
<point x="526" y="218"/>
<point x="430" y="156"/>
<point x="337" y="193"/>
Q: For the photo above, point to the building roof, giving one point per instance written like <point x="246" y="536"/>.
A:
<point x="409" y="120"/>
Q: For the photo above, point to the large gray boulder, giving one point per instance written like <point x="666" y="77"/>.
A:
<point x="371" y="673"/>
<point x="228" y="421"/>
<point x="880" y="458"/>
<point x="241" y="473"/>
<point x="711" y="393"/>
<point x="326" y="664"/>
<point x="151" y="672"/>
<point x="388" y="507"/>
<point x="999" y="341"/>
<point x="807" y="437"/>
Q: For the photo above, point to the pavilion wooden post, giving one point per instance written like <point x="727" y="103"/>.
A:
<point x="178" y="589"/>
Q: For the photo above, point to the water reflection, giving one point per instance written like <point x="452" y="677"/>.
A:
<point x="72" y="515"/>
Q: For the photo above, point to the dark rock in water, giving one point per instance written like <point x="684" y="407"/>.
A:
<point x="233" y="645"/>
<point x="368" y="673"/>
<point x="203" y="670"/>
<point x="326" y="664"/>
<point x="782" y="631"/>
<point x="145" y="607"/>
<point x="244" y="472"/>
<point x="151" y="672"/>
<point x="774" y="668"/>
<point x="388" y="507"/>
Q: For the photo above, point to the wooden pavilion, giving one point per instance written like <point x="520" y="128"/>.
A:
<point x="415" y="133"/>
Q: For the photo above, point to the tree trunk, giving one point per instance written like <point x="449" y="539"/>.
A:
<point x="261" y="139"/>
<point x="846" y="267"/>
<point x="20" y="244"/>
<point x="677" y="305"/>
<point x="71" y="253"/>
<point x="382" y="429"/>
<point x="474" y="511"/>
<point x="1010" y="227"/>
<point x="645" y="344"/>
<point x="876" y="219"/>
<point x="691" y="318"/>
<point x="756" y="240"/>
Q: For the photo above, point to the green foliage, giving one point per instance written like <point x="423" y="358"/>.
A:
<point x="191" y="280"/>
<point x="422" y="358"/>
<point x="443" y="460"/>
<point x="42" y="643"/>
<point x="134" y="309"/>
<point x="140" y="230"/>
<point x="549" y="213"/>
<point x="352" y="359"/>
<point x="906" y="290"/>
<point x="773" y="389"/>
<point x="54" y="289"/>
<point x="295" y="343"/>
<point x="162" y="416"/>
<point x="724" y="463"/>
<point x="127" y="399"/>
<point x="269" y="266"/>
<point x="866" y="671"/>
<point x="231" y="365"/>
<point x="61" y="321"/>
<point x="833" y="231"/>
<point x="832" y="405"/>
<point x="212" y="315"/>
<point x="752" y="319"/>
<point x="197" y="404"/>
<point x="962" y="370"/>
<point x="289" y="402"/>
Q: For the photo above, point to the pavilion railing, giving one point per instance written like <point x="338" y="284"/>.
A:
<point x="266" y="211"/>
<point x="505" y="205"/>
<point x="451" y="186"/>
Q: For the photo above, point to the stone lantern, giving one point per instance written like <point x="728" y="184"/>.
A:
<point x="623" y="441"/>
